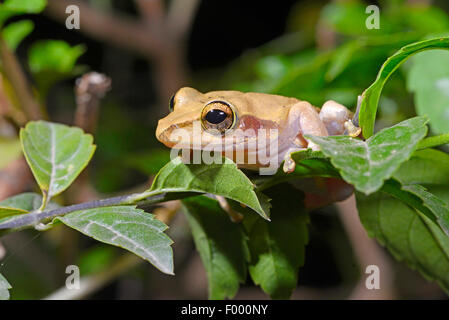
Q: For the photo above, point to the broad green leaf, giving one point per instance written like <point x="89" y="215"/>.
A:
<point x="278" y="247"/>
<point x="428" y="79"/>
<point x="126" y="227"/>
<point x="4" y="288"/>
<point x="221" y="244"/>
<point x="10" y="150"/>
<point x="437" y="206"/>
<point x="220" y="179"/>
<point x="417" y="197"/>
<point x="408" y="234"/>
<point x="370" y="97"/>
<point x="366" y="164"/>
<point x="22" y="203"/>
<point x="427" y="167"/>
<point x="10" y="8"/>
<point x="15" y="32"/>
<point x="56" y="154"/>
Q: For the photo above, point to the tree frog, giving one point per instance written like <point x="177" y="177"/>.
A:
<point x="233" y="119"/>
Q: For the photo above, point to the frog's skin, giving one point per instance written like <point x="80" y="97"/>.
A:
<point x="291" y="117"/>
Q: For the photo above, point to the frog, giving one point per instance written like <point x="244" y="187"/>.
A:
<point x="233" y="119"/>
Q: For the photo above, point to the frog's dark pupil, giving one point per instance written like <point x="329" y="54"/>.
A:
<point x="216" y="116"/>
<point x="171" y="103"/>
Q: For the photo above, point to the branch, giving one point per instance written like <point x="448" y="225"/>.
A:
<point x="93" y="283"/>
<point x="16" y="76"/>
<point x="119" y="30"/>
<point x="30" y="220"/>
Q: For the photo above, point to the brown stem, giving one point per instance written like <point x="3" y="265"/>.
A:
<point x="16" y="76"/>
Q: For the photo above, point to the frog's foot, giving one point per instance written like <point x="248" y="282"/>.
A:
<point x="352" y="130"/>
<point x="289" y="164"/>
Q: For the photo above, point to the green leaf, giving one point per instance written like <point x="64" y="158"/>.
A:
<point x="12" y="208"/>
<point x="15" y="32"/>
<point x="366" y="164"/>
<point x="220" y="179"/>
<point x="221" y="244"/>
<point x="278" y="247"/>
<point x="4" y="288"/>
<point x="437" y="207"/>
<point x="10" y="8"/>
<point x="428" y="167"/>
<point x="408" y="234"/>
<point x="10" y="150"/>
<point x="56" y="154"/>
<point x="370" y="97"/>
<point x="54" y="55"/>
<point x="428" y="79"/>
<point x="126" y="227"/>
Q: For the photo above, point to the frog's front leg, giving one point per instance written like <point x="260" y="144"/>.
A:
<point x="337" y="119"/>
<point x="303" y="120"/>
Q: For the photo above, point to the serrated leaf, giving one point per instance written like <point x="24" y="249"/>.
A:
<point x="417" y="197"/>
<point x="409" y="235"/>
<point x="220" y="179"/>
<point x="126" y="227"/>
<point x="15" y="32"/>
<point x="278" y="247"/>
<point x="366" y="164"/>
<point x="370" y="97"/>
<point x="221" y="245"/>
<point x="4" y="288"/>
<point x="55" y="153"/>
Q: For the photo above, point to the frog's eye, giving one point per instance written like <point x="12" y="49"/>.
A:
<point x="217" y="117"/>
<point x="171" y="103"/>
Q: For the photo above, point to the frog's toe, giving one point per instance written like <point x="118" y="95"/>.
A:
<point x="289" y="164"/>
<point x="352" y="130"/>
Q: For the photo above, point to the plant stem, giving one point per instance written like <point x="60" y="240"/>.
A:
<point x="433" y="141"/>
<point x="31" y="219"/>
<point x="16" y="76"/>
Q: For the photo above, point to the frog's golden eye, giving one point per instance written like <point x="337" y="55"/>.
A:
<point x="217" y="117"/>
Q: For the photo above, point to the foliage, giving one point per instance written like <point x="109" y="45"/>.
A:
<point x="401" y="183"/>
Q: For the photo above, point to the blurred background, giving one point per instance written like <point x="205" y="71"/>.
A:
<point x="313" y="50"/>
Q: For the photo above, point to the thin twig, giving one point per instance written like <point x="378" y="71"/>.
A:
<point x="367" y="252"/>
<point x="21" y="87"/>
<point x="93" y="283"/>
